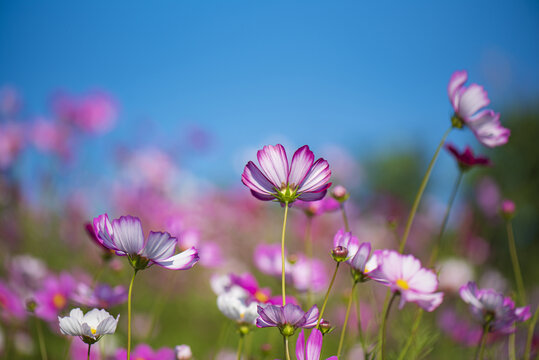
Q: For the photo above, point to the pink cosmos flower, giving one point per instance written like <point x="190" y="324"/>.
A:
<point x="267" y="259"/>
<point x="467" y="103"/>
<point x="304" y="179"/>
<point x="124" y="236"/>
<point x="319" y="207"/>
<point x="405" y="276"/>
<point x="54" y="296"/>
<point x="493" y="308"/>
<point x="309" y="274"/>
<point x="248" y="283"/>
<point x="466" y="159"/>
<point x="287" y="318"/>
<point x="11" y="305"/>
<point x="143" y="351"/>
<point x="310" y="350"/>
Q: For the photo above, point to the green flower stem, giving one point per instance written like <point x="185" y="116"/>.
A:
<point x="41" y="339"/>
<point x="129" y="314"/>
<point x="327" y="294"/>
<point x="420" y="193"/>
<point x="283" y="284"/>
<point x="89" y="347"/>
<point x="345" y="218"/>
<point x="411" y="338"/>
<point x="240" y="347"/>
<point x="384" y="324"/>
<point x="343" y="332"/>
<point x="511" y="347"/>
<point x="286" y="350"/>
<point x="309" y="253"/>
<point x="481" y="346"/>
<point x="529" y="338"/>
<point x="445" y="220"/>
<point x="514" y="261"/>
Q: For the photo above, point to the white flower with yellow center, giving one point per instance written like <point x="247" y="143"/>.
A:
<point x="90" y="327"/>
<point x="236" y="309"/>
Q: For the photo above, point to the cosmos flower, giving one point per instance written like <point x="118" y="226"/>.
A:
<point x="103" y="295"/>
<point x="267" y="259"/>
<point x="11" y="305"/>
<point x="287" y="318"/>
<point x="304" y="179"/>
<point x="467" y="103"/>
<point x="466" y="159"/>
<point x="125" y="237"/>
<point x="309" y="274"/>
<point x="310" y="350"/>
<point x="237" y="309"/>
<point x="54" y="295"/>
<point x="492" y="308"/>
<point x="143" y="351"/>
<point x="318" y="207"/>
<point x="90" y="327"/>
<point x="405" y="276"/>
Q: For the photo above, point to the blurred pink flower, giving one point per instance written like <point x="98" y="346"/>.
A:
<point x="318" y="207"/>
<point x="143" y="351"/>
<point x="488" y="196"/>
<point x="51" y="137"/>
<point x="466" y="159"/>
<point x="11" y="144"/>
<point x="11" y="305"/>
<point x="54" y="296"/>
<point x="101" y="296"/>
<point x="467" y="103"/>
<point x="405" y="276"/>
<point x="304" y="179"/>
<point x="309" y="274"/>
<point x="267" y="259"/>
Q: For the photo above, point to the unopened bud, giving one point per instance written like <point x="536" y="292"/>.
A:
<point x="507" y="209"/>
<point x="339" y="254"/>
<point x="340" y="193"/>
<point x="243" y="330"/>
<point x="325" y="327"/>
<point x="292" y="259"/>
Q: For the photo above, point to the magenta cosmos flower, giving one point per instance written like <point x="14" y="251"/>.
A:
<point x="466" y="159"/>
<point x="312" y="349"/>
<point x="405" y="276"/>
<point x="287" y="318"/>
<point x="467" y="103"/>
<point x="304" y="179"/>
<point x="143" y="351"/>
<point x="124" y="236"/>
<point x="493" y="308"/>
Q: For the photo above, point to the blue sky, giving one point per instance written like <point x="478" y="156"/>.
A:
<point x="371" y="76"/>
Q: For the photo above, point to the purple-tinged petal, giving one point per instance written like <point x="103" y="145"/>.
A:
<point x="302" y="161"/>
<point x="468" y="293"/>
<point x="455" y="84"/>
<point x="429" y="302"/>
<point x="472" y="99"/>
<point x="523" y="313"/>
<point x="314" y="345"/>
<point x="293" y="314"/>
<point x="128" y="236"/>
<point x="271" y="315"/>
<point x="182" y="261"/>
<point x="103" y="231"/>
<point x="159" y="246"/>
<point x="317" y="177"/>
<point x="487" y="128"/>
<point x="253" y="178"/>
<point x="262" y="197"/>
<point x="274" y="164"/>
<point x="311" y="318"/>
<point x="300" y="346"/>
<point x="359" y="260"/>
<point x="314" y="196"/>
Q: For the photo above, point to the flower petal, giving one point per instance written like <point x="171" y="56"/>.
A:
<point x="314" y="345"/>
<point x="107" y="326"/>
<point x="70" y="326"/>
<point x="317" y="177"/>
<point x="300" y="346"/>
<point x="311" y="318"/>
<point x="487" y="128"/>
<point x="253" y="178"/>
<point x="182" y="261"/>
<point x="128" y="235"/>
<point x="472" y="99"/>
<point x="103" y="231"/>
<point x="455" y="84"/>
<point x="301" y="163"/>
<point x="274" y="164"/>
<point x="159" y="246"/>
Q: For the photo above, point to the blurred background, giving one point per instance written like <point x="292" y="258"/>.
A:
<point x="153" y="109"/>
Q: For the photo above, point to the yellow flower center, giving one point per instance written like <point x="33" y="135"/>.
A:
<point x="59" y="301"/>
<point x="261" y="297"/>
<point x="93" y="330"/>
<point x="403" y="284"/>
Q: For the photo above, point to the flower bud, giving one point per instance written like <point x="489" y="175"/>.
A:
<point x="292" y="259"/>
<point x="340" y="193"/>
<point x="325" y="327"/>
<point x="31" y="305"/>
<point x="339" y="254"/>
<point x="507" y="209"/>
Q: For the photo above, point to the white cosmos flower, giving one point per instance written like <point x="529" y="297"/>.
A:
<point x="236" y="309"/>
<point x="90" y="326"/>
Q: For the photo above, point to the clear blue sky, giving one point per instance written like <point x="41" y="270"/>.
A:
<point x="367" y="74"/>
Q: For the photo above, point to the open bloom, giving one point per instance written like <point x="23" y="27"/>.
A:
<point x="54" y="295"/>
<point x="237" y="309"/>
<point x="304" y="179"/>
<point x="124" y="236"/>
<point x="405" y="276"/>
<point x="287" y="318"/>
<point x="492" y="308"/>
<point x="310" y="350"/>
<point x="466" y="159"/>
<point x="467" y="103"/>
<point x="90" y="327"/>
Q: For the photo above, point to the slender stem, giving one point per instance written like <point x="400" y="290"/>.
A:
<point x="240" y="347"/>
<point x="343" y="332"/>
<point x="438" y="243"/>
<point x="129" y="315"/>
<point x="345" y="218"/>
<point x="286" y="350"/>
<point x="511" y="347"/>
<point x="384" y="324"/>
<point x="514" y="261"/>
<point x="283" y="284"/>
<point x="327" y="294"/>
<point x="41" y="339"/>
<point x="411" y="338"/>
<point x="529" y="338"/>
<point x="481" y="346"/>
<point x="420" y="193"/>
<point x="309" y="253"/>
<point x="89" y="346"/>
<point x="359" y="329"/>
